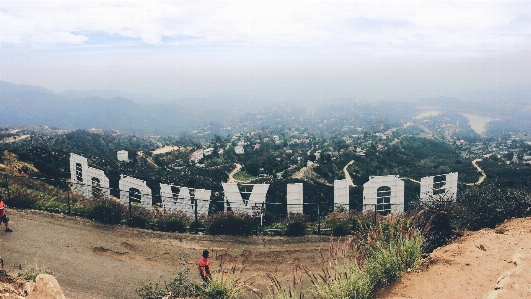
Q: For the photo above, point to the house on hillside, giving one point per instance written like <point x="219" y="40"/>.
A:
<point x="239" y="150"/>
<point x="196" y="156"/>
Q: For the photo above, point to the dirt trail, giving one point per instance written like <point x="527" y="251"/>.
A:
<point x="490" y="263"/>
<point x="483" y="174"/>
<point x="91" y="260"/>
<point x="231" y="179"/>
<point x="347" y="175"/>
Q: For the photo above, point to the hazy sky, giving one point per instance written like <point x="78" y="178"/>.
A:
<point x="267" y="49"/>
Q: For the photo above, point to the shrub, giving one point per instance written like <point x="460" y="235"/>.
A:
<point x="31" y="272"/>
<point x="22" y="199"/>
<point x="295" y="224"/>
<point x="435" y="221"/>
<point x="140" y="217"/>
<point x="221" y="289"/>
<point x="372" y="257"/>
<point x="341" y="223"/>
<point x="197" y="224"/>
<point x="227" y="285"/>
<point x="175" y="222"/>
<point x="179" y="286"/>
<point x="389" y="260"/>
<point x="229" y="223"/>
<point x="345" y="281"/>
<point x="488" y="205"/>
<point x="105" y="211"/>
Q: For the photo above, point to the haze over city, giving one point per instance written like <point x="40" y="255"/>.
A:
<point x="261" y="50"/>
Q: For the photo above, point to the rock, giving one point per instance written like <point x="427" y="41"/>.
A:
<point x="46" y="287"/>
<point x="12" y="287"/>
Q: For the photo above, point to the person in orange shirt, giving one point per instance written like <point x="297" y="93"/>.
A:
<point x="3" y="216"/>
<point x="204" y="267"/>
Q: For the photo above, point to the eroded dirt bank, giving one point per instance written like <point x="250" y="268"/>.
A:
<point x="490" y="263"/>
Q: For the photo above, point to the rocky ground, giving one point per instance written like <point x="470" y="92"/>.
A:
<point x="45" y="286"/>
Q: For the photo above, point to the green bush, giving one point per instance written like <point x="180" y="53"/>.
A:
<point x="229" y="223"/>
<point x="22" y="199"/>
<point x="296" y="225"/>
<point x="219" y="289"/>
<point x="435" y="222"/>
<point x="175" y="222"/>
<point x="389" y="260"/>
<point x="226" y="285"/>
<point x="179" y="286"/>
<point x="31" y="272"/>
<point x="377" y="255"/>
<point x="341" y="223"/>
<point x="105" y="211"/>
<point x="140" y="217"/>
<point x="487" y="205"/>
<point x="347" y="281"/>
<point x="199" y="225"/>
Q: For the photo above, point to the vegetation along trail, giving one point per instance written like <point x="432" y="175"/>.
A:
<point x="92" y="260"/>
<point x="236" y="169"/>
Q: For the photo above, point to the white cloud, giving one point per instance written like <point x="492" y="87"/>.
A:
<point x="391" y="24"/>
<point x="201" y="47"/>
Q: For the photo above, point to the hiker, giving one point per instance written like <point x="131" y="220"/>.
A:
<point x="3" y="216"/>
<point x="204" y="267"/>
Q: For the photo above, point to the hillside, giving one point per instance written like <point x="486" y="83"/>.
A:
<point x="91" y="260"/>
<point x="99" y="261"/>
<point x="24" y="105"/>
<point x="490" y="263"/>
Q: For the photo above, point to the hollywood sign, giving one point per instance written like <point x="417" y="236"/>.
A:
<point x="384" y="194"/>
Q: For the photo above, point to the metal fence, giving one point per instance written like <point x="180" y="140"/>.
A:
<point x="59" y="196"/>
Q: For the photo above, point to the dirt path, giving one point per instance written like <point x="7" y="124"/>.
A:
<point x="484" y="264"/>
<point x="302" y="172"/>
<point x="306" y="173"/>
<point x="92" y="260"/>
<point x="428" y="131"/>
<point x="483" y="174"/>
<point x="231" y="179"/>
<point x="347" y="175"/>
<point x="150" y="160"/>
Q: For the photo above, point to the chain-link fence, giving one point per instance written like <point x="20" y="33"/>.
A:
<point x="169" y="213"/>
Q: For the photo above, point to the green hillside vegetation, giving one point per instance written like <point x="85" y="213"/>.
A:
<point x="413" y="158"/>
<point x="408" y="157"/>
<point x="377" y="252"/>
<point x="508" y="176"/>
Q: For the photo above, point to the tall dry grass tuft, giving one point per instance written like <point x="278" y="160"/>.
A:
<point x="373" y="256"/>
<point x="229" y="283"/>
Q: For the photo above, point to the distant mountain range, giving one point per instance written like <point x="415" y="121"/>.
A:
<point x="26" y="105"/>
<point x="111" y="94"/>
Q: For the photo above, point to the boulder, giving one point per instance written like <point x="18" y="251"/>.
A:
<point x="46" y="287"/>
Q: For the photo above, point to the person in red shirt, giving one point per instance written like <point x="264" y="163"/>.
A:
<point x="3" y="216"/>
<point x="204" y="267"/>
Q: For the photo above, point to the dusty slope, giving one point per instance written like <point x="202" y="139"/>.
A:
<point x="91" y="260"/>
<point x="96" y="261"/>
<point x="491" y="263"/>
